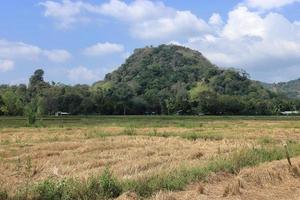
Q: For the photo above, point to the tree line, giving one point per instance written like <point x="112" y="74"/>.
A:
<point x="43" y="98"/>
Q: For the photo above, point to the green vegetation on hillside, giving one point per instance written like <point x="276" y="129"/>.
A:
<point x="290" y="89"/>
<point x="167" y="79"/>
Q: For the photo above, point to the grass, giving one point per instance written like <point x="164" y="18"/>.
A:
<point x="103" y="187"/>
<point x="205" y="136"/>
<point x="77" y="148"/>
<point x="179" y="179"/>
<point x="266" y="140"/>
<point x="96" y="134"/>
<point x="107" y="186"/>
<point x="139" y="121"/>
<point x="189" y="135"/>
<point x="130" y="131"/>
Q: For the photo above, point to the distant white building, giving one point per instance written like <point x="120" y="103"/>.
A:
<point x="290" y="112"/>
<point x="61" y="113"/>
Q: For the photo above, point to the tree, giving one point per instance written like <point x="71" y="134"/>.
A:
<point x="12" y="104"/>
<point x="208" y="103"/>
<point x="31" y="112"/>
<point x="1" y="105"/>
<point x="37" y="77"/>
<point x="231" y="105"/>
<point x="37" y="83"/>
<point x="122" y="93"/>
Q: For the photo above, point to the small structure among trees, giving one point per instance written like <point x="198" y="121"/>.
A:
<point x="59" y="113"/>
<point x="290" y="113"/>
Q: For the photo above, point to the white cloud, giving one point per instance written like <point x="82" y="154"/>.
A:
<point x="269" y="4"/>
<point x="150" y="20"/>
<point x="65" y="13"/>
<point x="261" y="44"/>
<point x="215" y="19"/>
<point x="57" y="55"/>
<point x="243" y="23"/>
<point x="82" y="74"/>
<point x="20" y="50"/>
<point x="146" y="19"/>
<point x="10" y="49"/>
<point x="138" y="10"/>
<point x="182" y="24"/>
<point x="68" y="12"/>
<point x="101" y="49"/>
<point x="6" y="65"/>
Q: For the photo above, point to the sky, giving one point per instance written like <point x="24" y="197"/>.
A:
<point x="79" y="41"/>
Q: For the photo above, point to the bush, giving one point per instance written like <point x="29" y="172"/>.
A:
<point x="129" y="131"/>
<point x="48" y="189"/>
<point x="266" y="140"/>
<point x="58" y="190"/>
<point x="31" y="114"/>
<point x="109" y="185"/>
<point x="3" y="195"/>
<point x="205" y="136"/>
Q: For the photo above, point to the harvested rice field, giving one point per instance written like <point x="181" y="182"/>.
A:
<point x="150" y="157"/>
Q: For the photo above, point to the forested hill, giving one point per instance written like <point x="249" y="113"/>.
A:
<point x="173" y="79"/>
<point x="167" y="79"/>
<point x="290" y="89"/>
<point x="168" y="69"/>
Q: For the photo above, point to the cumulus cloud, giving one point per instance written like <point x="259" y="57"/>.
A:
<point x="181" y="24"/>
<point x="59" y="55"/>
<point x="10" y="49"/>
<point x="6" y="65"/>
<point x="101" y="49"/>
<point x="261" y="44"/>
<point x="146" y="19"/>
<point x="242" y="23"/>
<point x="21" y="50"/>
<point x="269" y="4"/>
<point x="138" y="10"/>
<point x="150" y="20"/>
<point x="81" y="73"/>
<point x="216" y="19"/>
<point x="67" y="12"/>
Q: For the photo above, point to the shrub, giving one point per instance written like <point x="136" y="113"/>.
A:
<point x="58" y="190"/>
<point x="3" y="194"/>
<point x="266" y="140"/>
<point x="48" y="189"/>
<point x="31" y="117"/>
<point x="191" y="136"/>
<point x="109" y="185"/>
<point x="129" y="131"/>
<point x="205" y="136"/>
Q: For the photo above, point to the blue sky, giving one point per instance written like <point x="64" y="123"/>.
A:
<point x="80" y="41"/>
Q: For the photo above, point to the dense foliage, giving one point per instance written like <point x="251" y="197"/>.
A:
<point x="167" y="79"/>
<point x="290" y="89"/>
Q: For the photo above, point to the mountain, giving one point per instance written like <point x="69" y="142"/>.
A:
<point x="290" y="89"/>
<point x="169" y="66"/>
<point x="170" y="78"/>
